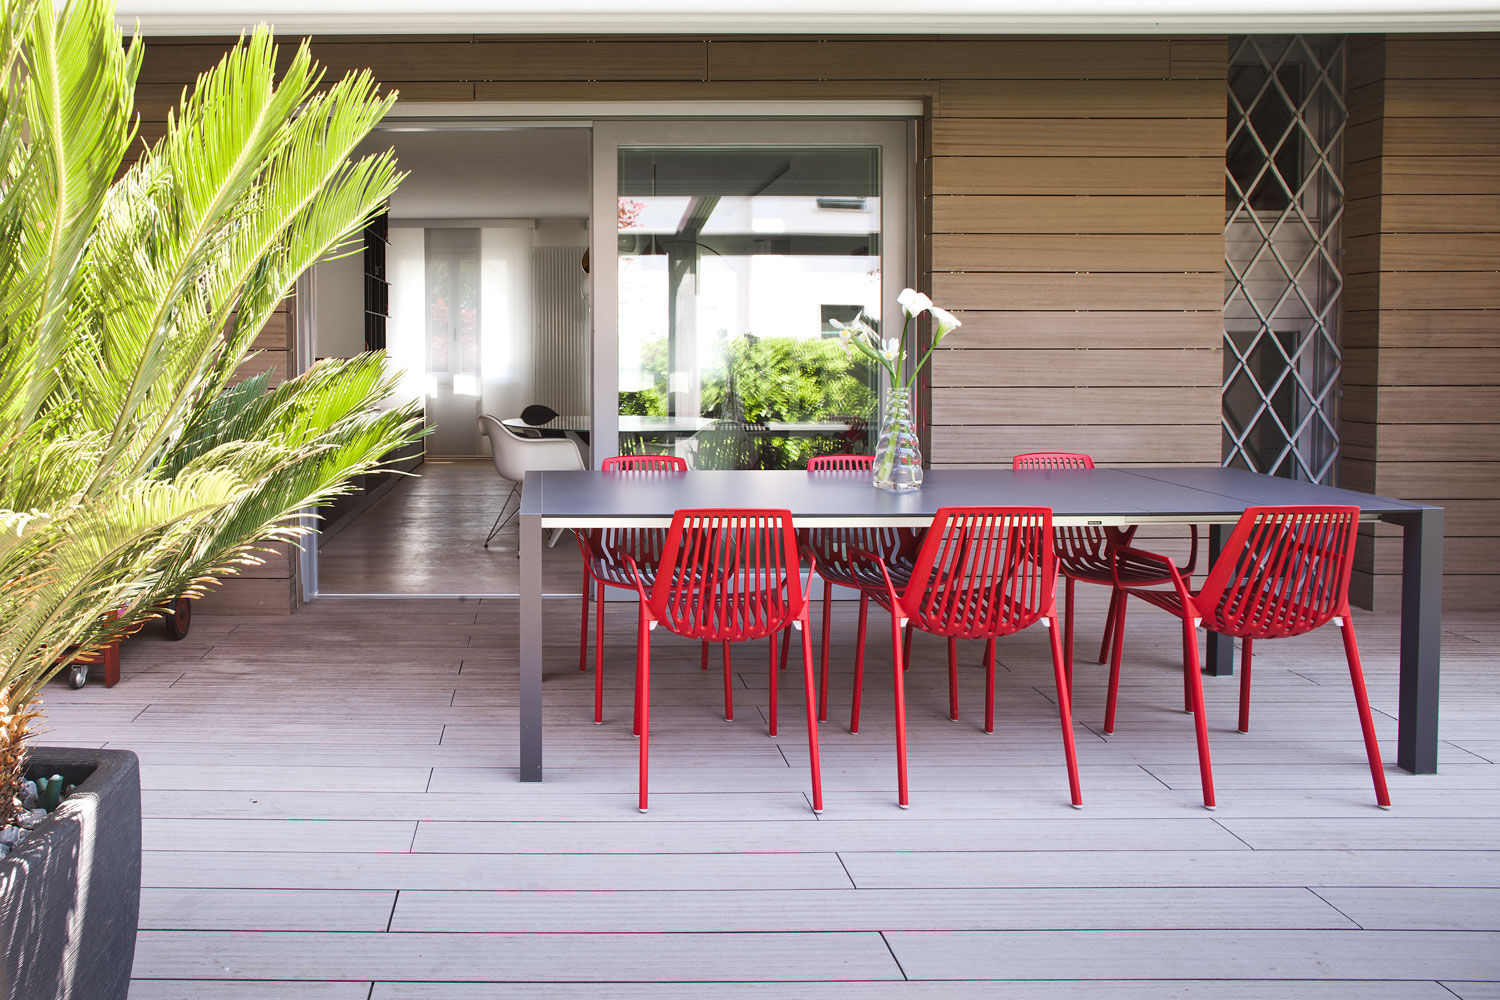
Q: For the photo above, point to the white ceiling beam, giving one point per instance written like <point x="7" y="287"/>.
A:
<point x="806" y="17"/>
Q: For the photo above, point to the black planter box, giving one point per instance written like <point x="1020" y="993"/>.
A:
<point x="70" y="894"/>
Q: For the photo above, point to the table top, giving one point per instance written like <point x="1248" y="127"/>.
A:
<point x="1106" y="496"/>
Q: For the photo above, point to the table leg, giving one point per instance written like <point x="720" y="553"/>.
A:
<point x="1220" y="659"/>
<point x="1421" y="640"/>
<point x="531" y="647"/>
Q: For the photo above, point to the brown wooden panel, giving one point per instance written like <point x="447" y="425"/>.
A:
<point x="1433" y="252"/>
<point x="276" y="335"/>
<point x="1069" y="329"/>
<point x="1438" y="442"/>
<point x="1139" y="58"/>
<point x="1152" y="137"/>
<point x="278" y="564"/>
<point x="1445" y="98"/>
<point x="1460" y="592"/>
<point x="1366" y="59"/>
<point x="1366" y="102"/>
<point x="1062" y="214"/>
<point x="1079" y="291"/>
<point x="1423" y="328"/>
<point x="1106" y="443"/>
<point x="1434" y="213"/>
<point x="1199" y="59"/>
<point x="968" y="367"/>
<point x="962" y="252"/>
<point x="1075" y="175"/>
<point x="1453" y="57"/>
<point x="1476" y="557"/>
<point x="718" y="90"/>
<point x="1447" y="175"/>
<point x="1016" y="405"/>
<point x="588" y="59"/>
<point x="1450" y="480"/>
<point x="1426" y="367"/>
<point x="1440" y="290"/>
<point x="1405" y="404"/>
<point x="279" y="363"/>
<point x="238" y="596"/>
<point x="1082" y="99"/>
<point x="1441" y="137"/>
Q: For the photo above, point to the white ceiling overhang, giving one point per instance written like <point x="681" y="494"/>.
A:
<point x="803" y="17"/>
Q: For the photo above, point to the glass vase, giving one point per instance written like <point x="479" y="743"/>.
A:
<point x="898" y="453"/>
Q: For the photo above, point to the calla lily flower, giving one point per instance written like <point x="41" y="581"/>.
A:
<point x="913" y="302"/>
<point x="946" y="322"/>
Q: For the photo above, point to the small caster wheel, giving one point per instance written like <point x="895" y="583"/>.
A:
<point x="179" y="617"/>
<point x="78" y="677"/>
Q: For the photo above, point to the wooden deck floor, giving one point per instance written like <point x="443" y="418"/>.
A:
<point x="331" y="812"/>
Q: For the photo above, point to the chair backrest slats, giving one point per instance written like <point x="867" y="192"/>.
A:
<point x="1081" y="546"/>
<point x="728" y="574"/>
<point x="832" y="545"/>
<point x="1284" y="571"/>
<point x="983" y="571"/>
<point x="841" y="463"/>
<point x="644" y="463"/>
<point x="644" y="545"/>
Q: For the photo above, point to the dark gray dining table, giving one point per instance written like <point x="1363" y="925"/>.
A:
<point x="1117" y="497"/>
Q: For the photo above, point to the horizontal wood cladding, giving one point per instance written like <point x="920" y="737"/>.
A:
<point x="1089" y="215"/>
<point x="1150" y="137"/>
<point x="1081" y="291"/>
<point x="1018" y="405"/>
<point x="1107" y="443"/>
<point x="1098" y="368"/>
<point x="1079" y="58"/>
<point x="1090" y="99"/>
<point x="1478" y="252"/>
<point x="1161" y="329"/>
<point x="1396" y="328"/>
<point x="243" y="596"/>
<point x="1092" y="175"/>
<point x="1410" y="442"/>
<point x="1030" y="252"/>
<point x="1425" y="58"/>
<point x="1432" y="481"/>
<point x="1405" y="404"/>
<point x="1418" y="367"/>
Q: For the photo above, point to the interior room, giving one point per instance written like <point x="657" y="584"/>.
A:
<point x="476" y="286"/>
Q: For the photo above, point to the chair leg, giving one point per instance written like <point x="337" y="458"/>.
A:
<point x="952" y="679"/>
<point x="643" y="702"/>
<point x="859" y="662"/>
<point x="1245" y="686"/>
<point x="898" y="668"/>
<point x="1117" y="636"/>
<point x="728" y="687"/>
<point x="812" y="719"/>
<point x="771" y="711"/>
<point x="497" y="526"/>
<point x="1068" y="632"/>
<point x="599" y="658"/>
<point x="906" y="649"/>
<point x="786" y="646"/>
<point x="1065" y="715"/>
<point x="823" y="675"/>
<point x="989" y="686"/>
<point x="703" y="662"/>
<point x="583" y="634"/>
<point x="1194" y="673"/>
<point x="1116" y="598"/>
<point x="1188" y="639"/>
<point x="1366" y="723"/>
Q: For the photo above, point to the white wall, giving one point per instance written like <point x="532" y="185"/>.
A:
<point x="339" y="330"/>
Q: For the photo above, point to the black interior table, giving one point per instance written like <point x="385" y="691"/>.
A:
<point x="1102" y="496"/>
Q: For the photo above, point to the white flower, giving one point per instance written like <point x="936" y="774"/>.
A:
<point x="946" y="322"/>
<point x="913" y="302"/>
<point x="891" y="349"/>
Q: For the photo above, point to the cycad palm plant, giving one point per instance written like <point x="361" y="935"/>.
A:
<point x="135" y="466"/>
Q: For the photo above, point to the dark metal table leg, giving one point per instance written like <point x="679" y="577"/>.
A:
<point x="1220" y="659"/>
<point x="1421" y="639"/>
<point x="530" y="627"/>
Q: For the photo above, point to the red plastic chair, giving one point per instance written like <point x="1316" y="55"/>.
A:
<point x="725" y="576"/>
<point x="1083" y="555"/>
<point x="980" y="573"/>
<point x="603" y="551"/>
<point x="1284" y="571"/>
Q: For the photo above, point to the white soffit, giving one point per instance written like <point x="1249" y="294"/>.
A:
<point x="820" y="17"/>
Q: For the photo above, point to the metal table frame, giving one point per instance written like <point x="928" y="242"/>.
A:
<point x="1103" y="496"/>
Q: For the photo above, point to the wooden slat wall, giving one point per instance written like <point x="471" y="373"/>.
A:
<point x="1070" y="206"/>
<point x="1422" y="320"/>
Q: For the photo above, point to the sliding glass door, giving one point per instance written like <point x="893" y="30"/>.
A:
<point x="729" y="250"/>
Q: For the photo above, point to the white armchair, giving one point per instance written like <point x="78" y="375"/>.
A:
<point x="514" y="456"/>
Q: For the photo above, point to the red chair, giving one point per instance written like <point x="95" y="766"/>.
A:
<point x="980" y="573"/>
<point x="725" y="576"/>
<point x="603" y="550"/>
<point x="1284" y="571"/>
<point x="1083" y="555"/>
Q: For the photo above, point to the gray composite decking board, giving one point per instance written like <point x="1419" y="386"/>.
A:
<point x="1474" y="991"/>
<point x="1384" y="908"/>
<point x="267" y="909"/>
<point x="1105" y="989"/>
<point x="866" y="909"/>
<point x="577" y="870"/>
<point x="229" y="777"/>
<point x="1393" y="832"/>
<point x="1162" y="868"/>
<point x="516" y="957"/>
<point x="1206" y="954"/>
<point x="318" y="836"/>
<point x="211" y="989"/>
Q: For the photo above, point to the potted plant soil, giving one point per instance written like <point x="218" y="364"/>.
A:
<point x="135" y="466"/>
